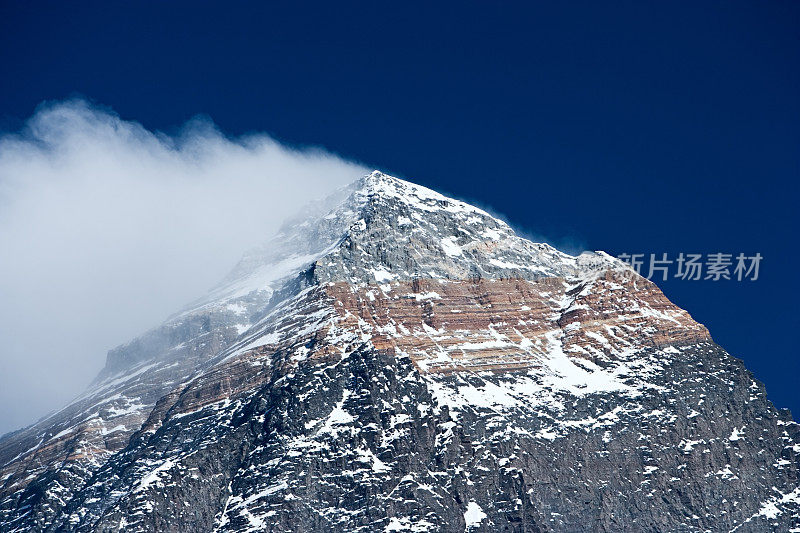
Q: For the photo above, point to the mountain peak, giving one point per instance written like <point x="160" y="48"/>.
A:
<point x="379" y="184"/>
<point x="381" y="227"/>
<point x="412" y="231"/>
<point x="399" y="360"/>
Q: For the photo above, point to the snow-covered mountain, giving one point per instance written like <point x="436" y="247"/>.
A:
<point x="396" y="360"/>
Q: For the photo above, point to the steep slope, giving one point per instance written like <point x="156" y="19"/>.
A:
<point x="397" y="360"/>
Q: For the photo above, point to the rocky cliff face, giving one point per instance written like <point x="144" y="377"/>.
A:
<point x="396" y="360"/>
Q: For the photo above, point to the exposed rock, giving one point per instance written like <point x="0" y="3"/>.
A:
<point x="401" y="361"/>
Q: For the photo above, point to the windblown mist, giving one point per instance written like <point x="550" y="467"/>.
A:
<point x="106" y="228"/>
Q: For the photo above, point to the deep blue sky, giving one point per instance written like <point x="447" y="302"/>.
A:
<point x="627" y="127"/>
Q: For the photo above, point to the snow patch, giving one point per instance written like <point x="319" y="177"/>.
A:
<point x="474" y="515"/>
<point x="450" y="247"/>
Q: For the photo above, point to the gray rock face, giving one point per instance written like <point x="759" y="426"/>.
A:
<point x="400" y="361"/>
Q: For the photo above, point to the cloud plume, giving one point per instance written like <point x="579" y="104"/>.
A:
<point x="106" y="228"/>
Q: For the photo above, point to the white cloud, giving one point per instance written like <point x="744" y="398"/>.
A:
<point x="106" y="228"/>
